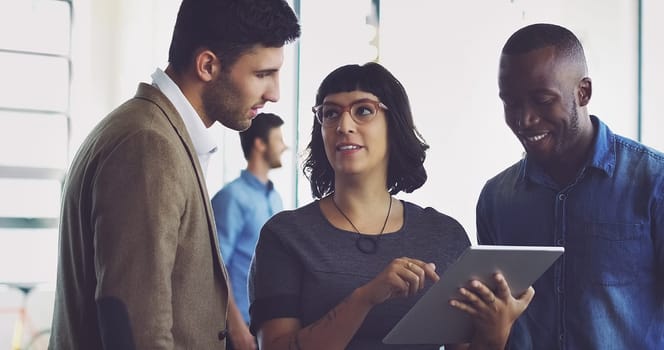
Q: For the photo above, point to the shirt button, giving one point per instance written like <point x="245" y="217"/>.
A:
<point x="560" y="242"/>
<point x="222" y="334"/>
<point x="560" y="290"/>
<point x="562" y="197"/>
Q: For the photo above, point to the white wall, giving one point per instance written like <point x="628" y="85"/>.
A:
<point x="653" y="73"/>
<point x="446" y="55"/>
<point x="115" y="45"/>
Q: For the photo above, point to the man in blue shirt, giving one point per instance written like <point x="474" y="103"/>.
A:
<point x="598" y="194"/>
<point x="240" y="210"/>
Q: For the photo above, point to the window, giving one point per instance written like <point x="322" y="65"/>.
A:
<point x="35" y="66"/>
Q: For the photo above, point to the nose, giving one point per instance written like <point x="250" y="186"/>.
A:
<point x="527" y="118"/>
<point x="346" y="123"/>
<point x="272" y="92"/>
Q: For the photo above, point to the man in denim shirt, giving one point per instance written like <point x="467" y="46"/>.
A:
<point x="240" y="210"/>
<point x="598" y="194"/>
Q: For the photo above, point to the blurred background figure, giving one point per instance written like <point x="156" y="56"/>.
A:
<point x="240" y="210"/>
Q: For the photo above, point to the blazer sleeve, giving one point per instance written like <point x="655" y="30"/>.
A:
<point x="138" y="201"/>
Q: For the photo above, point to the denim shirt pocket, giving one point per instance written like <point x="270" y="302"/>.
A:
<point x="609" y="253"/>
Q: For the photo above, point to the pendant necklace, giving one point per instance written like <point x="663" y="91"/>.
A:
<point x="367" y="244"/>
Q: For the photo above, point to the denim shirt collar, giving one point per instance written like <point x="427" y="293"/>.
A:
<point x="254" y="182"/>
<point x="603" y="157"/>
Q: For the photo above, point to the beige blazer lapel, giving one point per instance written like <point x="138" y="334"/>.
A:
<point x="152" y="94"/>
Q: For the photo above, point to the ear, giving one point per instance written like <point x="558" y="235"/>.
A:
<point x="585" y="91"/>
<point x="207" y="65"/>
<point x="259" y="145"/>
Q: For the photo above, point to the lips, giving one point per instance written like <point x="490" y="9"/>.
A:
<point x="254" y="110"/>
<point x="536" y="137"/>
<point x="348" y="147"/>
<point x="533" y="138"/>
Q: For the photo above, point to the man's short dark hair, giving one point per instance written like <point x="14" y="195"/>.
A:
<point x="229" y="28"/>
<point x="260" y="128"/>
<point x="540" y="35"/>
<point x="405" y="169"/>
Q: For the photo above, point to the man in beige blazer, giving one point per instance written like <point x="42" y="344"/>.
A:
<point x="139" y="264"/>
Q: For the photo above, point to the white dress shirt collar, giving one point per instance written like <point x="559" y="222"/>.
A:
<point x="202" y="137"/>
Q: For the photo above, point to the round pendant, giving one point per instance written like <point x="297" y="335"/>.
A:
<point x="367" y="245"/>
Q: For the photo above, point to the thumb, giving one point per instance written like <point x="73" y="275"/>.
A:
<point x="527" y="296"/>
<point x="430" y="272"/>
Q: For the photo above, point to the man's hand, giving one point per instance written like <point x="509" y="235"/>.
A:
<point x="493" y="313"/>
<point x="238" y="332"/>
<point x="241" y="337"/>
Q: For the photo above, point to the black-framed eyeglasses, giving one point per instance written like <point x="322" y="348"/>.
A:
<point x="361" y="111"/>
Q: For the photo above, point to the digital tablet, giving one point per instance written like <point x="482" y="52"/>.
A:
<point x="433" y="321"/>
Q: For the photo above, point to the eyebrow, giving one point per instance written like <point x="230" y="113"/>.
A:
<point x="269" y="70"/>
<point x="366" y="99"/>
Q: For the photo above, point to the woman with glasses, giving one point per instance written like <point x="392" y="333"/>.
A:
<point x="341" y="271"/>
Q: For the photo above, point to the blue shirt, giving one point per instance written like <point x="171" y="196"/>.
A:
<point x="607" y="290"/>
<point x="240" y="210"/>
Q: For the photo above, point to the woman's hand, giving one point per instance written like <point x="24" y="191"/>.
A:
<point x="401" y="278"/>
<point x="493" y="313"/>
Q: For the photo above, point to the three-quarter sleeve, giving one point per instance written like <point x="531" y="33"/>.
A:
<point x="275" y="277"/>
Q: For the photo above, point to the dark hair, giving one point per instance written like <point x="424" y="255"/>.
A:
<point x="260" y="128"/>
<point x="229" y="28"/>
<point x="405" y="170"/>
<point x="539" y="35"/>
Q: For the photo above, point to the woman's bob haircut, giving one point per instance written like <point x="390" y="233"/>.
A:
<point x="406" y="147"/>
